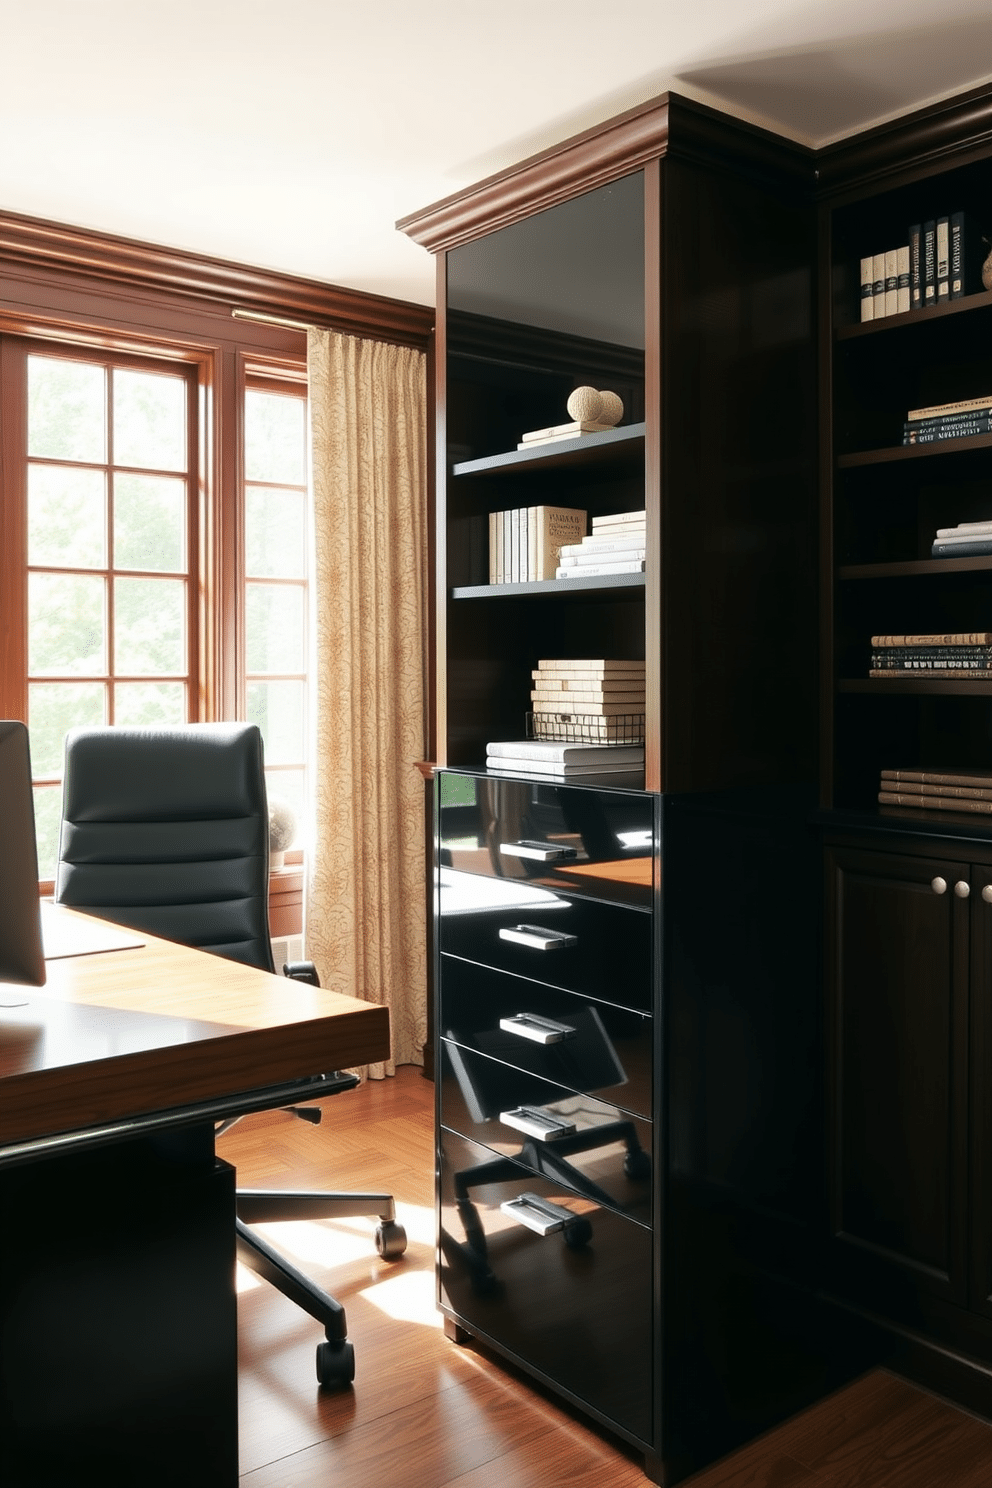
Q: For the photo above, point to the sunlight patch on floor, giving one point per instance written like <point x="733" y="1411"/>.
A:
<point x="406" y="1297"/>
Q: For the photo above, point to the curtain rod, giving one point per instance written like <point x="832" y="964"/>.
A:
<point x="275" y="320"/>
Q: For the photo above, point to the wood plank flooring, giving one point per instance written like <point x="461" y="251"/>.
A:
<point x="426" y="1413"/>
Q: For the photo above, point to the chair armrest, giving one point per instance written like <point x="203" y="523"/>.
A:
<point x="301" y="971"/>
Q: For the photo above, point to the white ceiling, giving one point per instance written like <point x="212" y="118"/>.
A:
<point x="291" y="134"/>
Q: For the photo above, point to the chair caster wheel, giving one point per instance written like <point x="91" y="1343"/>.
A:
<point x="390" y="1240"/>
<point x="637" y="1164"/>
<point x="577" y="1232"/>
<point x="335" y="1364"/>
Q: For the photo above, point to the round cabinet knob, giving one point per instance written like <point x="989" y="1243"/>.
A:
<point x="987" y="893"/>
<point x="939" y="885"/>
<point x="962" y="888"/>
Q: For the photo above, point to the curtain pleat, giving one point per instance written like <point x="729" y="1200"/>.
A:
<point x="364" y="899"/>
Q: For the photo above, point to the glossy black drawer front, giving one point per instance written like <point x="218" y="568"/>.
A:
<point x="600" y="842"/>
<point x="584" y="945"/>
<point x="591" y="1047"/>
<point x="562" y="1284"/>
<point x="584" y="1144"/>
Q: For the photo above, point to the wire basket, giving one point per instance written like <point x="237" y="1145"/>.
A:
<point x="586" y="728"/>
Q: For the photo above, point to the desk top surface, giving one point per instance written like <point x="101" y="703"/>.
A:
<point x="138" y="1029"/>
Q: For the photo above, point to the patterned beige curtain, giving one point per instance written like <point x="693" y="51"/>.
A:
<point x="365" y="872"/>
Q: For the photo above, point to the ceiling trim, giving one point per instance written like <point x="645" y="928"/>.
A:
<point x="40" y="244"/>
<point x="669" y="126"/>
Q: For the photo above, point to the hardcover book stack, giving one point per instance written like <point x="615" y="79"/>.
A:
<point x="963" y="653"/>
<point x="937" y="790"/>
<point x="966" y="540"/>
<point x="594" y="701"/>
<point x="615" y="545"/>
<point x="525" y="542"/>
<point x="948" y="421"/>
<point x="560" y="761"/>
<point x="941" y="262"/>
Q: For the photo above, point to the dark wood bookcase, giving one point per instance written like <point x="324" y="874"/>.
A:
<point x="909" y="917"/>
<point x="669" y="256"/>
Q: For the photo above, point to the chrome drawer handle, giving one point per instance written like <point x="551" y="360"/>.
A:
<point x="535" y="1122"/>
<point x="537" y="937"/>
<point x="539" y="1030"/>
<point x="543" y="852"/>
<point x="538" y="1214"/>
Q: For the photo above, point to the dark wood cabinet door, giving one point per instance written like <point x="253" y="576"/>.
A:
<point x="980" y="1299"/>
<point x="898" y="952"/>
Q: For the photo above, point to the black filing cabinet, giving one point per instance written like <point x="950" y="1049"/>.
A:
<point x="546" y="948"/>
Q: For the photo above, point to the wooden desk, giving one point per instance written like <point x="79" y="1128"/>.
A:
<point x="118" y="1341"/>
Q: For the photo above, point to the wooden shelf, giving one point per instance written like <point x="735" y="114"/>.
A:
<point x="623" y="446"/>
<point x="965" y="306"/>
<point x="913" y="568"/>
<point x="535" y="588"/>
<point x="898" y="452"/>
<point x="960" y="687"/>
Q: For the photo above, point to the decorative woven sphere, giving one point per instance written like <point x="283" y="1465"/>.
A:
<point x="610" y="408"/>
<point x="282" y="825"/>
<point x="584" y="404"/>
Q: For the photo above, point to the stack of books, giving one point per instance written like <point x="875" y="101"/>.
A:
<point x="553" y="760"/>
<point x="937" y="790"/>
<point x="615" y="545"/>
<point x="555" y="433"/>
<point x="525" y="542"/>
<point x="966" y="540"/>
<point x="948" y="421"/>
<point x="961" y="653"/>
<point x="595" y="701"/>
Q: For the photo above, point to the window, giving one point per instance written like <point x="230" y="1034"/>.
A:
<point x="110" y="636"/>
<point x="275" y="587"/>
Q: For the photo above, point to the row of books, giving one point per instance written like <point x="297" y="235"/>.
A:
<point x="525" y="542"/>
<point x="948" y="421"/>
<point x="941" y="261"/>
<point x="937" y="790"/>
<point x="615" y="545"/>
<point x="966" y="540"/>
<point x="954" y="654"/>
<point x="588" y="700"/>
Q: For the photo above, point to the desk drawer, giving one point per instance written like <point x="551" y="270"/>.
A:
<point x="585" y="946"/>
<point x="585" y="1144"/>
<point x="600" y="842"/>
<point x="589" y="1046"/>
<point x="573" y="1304"/>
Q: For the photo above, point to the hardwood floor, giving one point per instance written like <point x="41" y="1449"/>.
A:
<point x="427" y="1413"/>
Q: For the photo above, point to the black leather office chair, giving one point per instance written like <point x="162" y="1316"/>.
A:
<point x="166" y="830"/>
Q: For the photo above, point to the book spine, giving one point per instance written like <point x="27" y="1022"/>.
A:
<point x="615" y="518"/>
<point x="867" y="289"/>
<point x="878" y="285"/>
<point x="949" y="638"/>
<point x="929" y="265"/>
<point x="963" y="529"/>
<point x="902" y="288"/>
<point x="583" y="560"/>
<point x="980" y="548"/>
<point x="942" y="270"/>
<point x="951" y="674"/>
<point x="942" y="410"/>
<point x="493" y="548"/>
<point x="897" y="655"/>
<point x="556" y="525"/>
<point x="591" y="545"/>
<point x="915" y="268"/>
<point x="935" y="778"/>
<point x="933" y="803"/>
<point x="957" y="255"/>
<point x="891" y="281"/>
<point x="593" y="570"/>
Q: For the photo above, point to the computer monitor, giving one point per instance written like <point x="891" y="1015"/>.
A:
<point x="22" y="957"/>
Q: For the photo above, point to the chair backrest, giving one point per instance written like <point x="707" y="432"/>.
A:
<point x="166" y="830"/>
